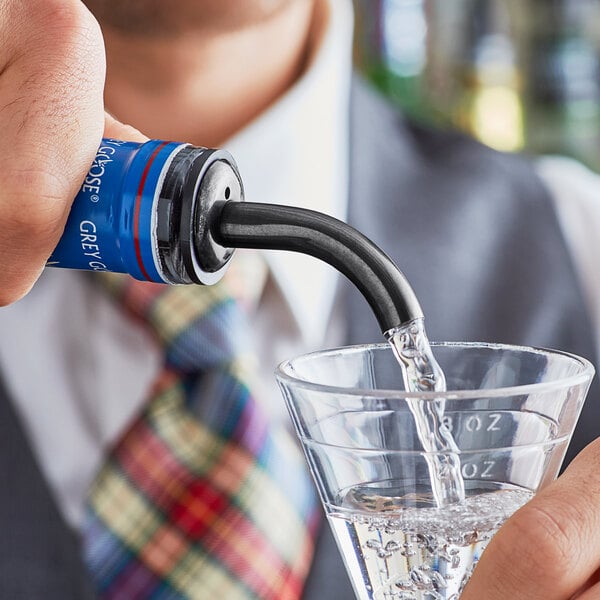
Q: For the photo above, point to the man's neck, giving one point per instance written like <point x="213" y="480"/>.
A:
<point x="203" y="89"/>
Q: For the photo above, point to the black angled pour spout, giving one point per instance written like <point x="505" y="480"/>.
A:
<point x="180" y="226"/>
<point x="276" y="227"/>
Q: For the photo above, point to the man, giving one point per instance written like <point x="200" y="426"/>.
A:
<point x="474" y="231"/>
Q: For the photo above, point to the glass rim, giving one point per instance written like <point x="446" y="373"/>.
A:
<point x="586" y="374"/>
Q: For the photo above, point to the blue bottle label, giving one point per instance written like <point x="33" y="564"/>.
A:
<point x="112" y="223"/>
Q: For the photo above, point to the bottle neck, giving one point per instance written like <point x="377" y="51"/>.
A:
<point x="196" y="180"/>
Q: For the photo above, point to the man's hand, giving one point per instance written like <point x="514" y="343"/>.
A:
<point x="52" y="69"/>
<point x="550" y="549"/>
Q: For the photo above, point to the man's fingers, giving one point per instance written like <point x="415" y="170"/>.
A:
<point x="51" y="119"/>
<point x="119" y="131"/>
<point x="551" y="547"/>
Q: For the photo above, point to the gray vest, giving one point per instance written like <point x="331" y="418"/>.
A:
<point x="475" y="233"/>
<point x="477" y="237"/>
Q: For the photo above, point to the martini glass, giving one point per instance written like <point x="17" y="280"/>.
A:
<point x="511" y="411"/>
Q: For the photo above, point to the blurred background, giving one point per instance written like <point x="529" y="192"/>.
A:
<point x="520" y="75"/>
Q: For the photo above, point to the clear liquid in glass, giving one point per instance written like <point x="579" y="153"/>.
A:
<point x="401" y="546"/>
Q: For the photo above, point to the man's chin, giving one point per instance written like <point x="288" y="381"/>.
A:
<point x="176" y="17"/>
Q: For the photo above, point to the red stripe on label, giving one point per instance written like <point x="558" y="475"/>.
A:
<point x="137" y="209"/>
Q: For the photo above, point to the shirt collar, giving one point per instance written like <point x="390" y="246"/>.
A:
<point x="296" y="153"/>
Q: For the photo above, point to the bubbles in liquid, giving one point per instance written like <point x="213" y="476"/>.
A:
<point x="399" y="546"/>
<point x="421" y="373"/>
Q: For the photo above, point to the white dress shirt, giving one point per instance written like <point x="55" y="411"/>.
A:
<point x="79" y="369"/>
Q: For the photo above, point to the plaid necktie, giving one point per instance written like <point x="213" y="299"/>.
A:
<point x="201" y="498"/>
